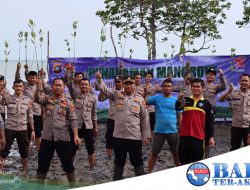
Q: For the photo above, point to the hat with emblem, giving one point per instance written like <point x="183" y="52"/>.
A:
<point x="118" y="78"/>
<point x="128" y="79"/>
<point x="211" y="71"/>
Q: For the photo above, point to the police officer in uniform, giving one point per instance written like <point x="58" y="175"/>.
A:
<point x="29" y="91"/>
<point x="86" y="112"/>
<point x="20" y="117"/>
<point x="59" y="112"/>
<point x="210" y="91"/>
<point x="111" y="115"/>
<point x="131" y="126"/>
<point x="149" y="90"/>
<point x="240" y="101"/>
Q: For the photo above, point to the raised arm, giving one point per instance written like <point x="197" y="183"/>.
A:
<point x="225" y="96"/>
<point x="38" y="93"/>
<point x="222" y="86"/>
<point x="100" y="83"/>
<point x="72" y="89"/>
<point x="17" y="75"/>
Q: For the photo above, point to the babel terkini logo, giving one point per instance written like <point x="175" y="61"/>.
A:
<point x="198" y="174"/>
<point x="231" y="175"/>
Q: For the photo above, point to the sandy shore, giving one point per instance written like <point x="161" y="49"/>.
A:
<point x="104" y="168"/>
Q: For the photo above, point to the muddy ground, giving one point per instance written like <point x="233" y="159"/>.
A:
<point x="104" y="167"/>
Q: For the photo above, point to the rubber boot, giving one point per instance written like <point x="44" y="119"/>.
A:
<point x="139" y="170"/>
<point x="41" y="178"/>
<point x="118" y="171"/>
<point x="71" y="178"/>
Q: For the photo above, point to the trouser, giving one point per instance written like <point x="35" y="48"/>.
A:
<point x="121" y="148"/>
<point x="88" y="135"/>
<point x="46" y="152"/>
<point x="237" y="136"/>
<point x="22" y="142"/>
<point x="124" y="146"/>
<point x="109" y="134"/>
<point x="190" y="149"/>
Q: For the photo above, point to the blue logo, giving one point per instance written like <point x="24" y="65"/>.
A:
<point x="198" y="174"/>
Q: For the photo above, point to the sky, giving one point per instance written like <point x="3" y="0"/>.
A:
<point x="57" y="17"/>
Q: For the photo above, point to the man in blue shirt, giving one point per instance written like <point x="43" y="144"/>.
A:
<point x="166" y="123"/>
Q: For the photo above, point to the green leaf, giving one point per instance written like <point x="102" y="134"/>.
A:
<point x="75" y="25"/>
<point x="103" y="38"/>
<point x="26" y="34"/>
<point x="6" y="45"/>
<point x="33" y="34"/>
<point x="20" y="34"/>
<point x="31" y="22"/>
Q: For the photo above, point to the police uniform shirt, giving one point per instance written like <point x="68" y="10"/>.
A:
<point x="29" y="91"/>
<point x="59" y="113"/>
<point x="139" y="90"/>
<point x="131" y="120"/>
<point x="19" y="111"/>
<point x="151" y="90"/>
<point x="211" y="90"/>
<point x="182" y="88"/>
<point x="86" y="110"/>
<point x="111" y="111"/>
<point x="240" y="103"/>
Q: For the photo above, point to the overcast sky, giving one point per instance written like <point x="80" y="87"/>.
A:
<point x="57" y="17"/>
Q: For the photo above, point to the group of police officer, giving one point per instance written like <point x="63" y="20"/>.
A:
<point x="57" y="119"/>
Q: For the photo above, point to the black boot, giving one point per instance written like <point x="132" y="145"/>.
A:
<point x="41" y="178"/>
<point x="118" y="171"/>
<point x="139" y="170"/>
<point x="71" y="178"/>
